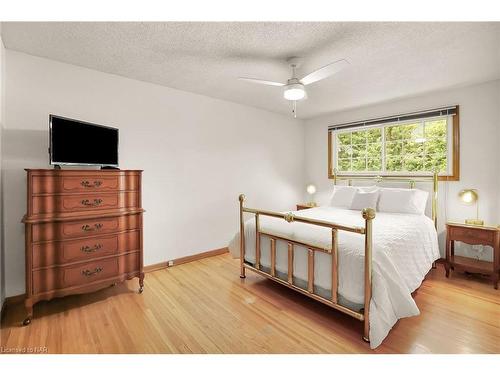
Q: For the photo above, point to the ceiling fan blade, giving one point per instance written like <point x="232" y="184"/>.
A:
<point x="261" y="81"/>
<point x="324" y="72"/>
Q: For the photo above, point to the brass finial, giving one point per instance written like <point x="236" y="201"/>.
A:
<point x="368" y="213"/>
<point x="289" y="217"/>
<point x="241" y="197"/>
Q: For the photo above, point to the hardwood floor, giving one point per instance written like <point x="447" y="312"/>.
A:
<point x="204" y="307"/>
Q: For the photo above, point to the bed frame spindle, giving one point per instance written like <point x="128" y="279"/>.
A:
<point x="310" y="270"/>
<point x="290" y="263"/>
<point x="273" y="257"/>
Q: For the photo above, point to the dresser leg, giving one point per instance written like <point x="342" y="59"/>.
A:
<point x="28" y="304"/>
<point x="141" y="282"/>
<point x="447" y="268"/>
<point x="495" y="281"/>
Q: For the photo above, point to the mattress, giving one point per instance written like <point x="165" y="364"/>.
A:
<point x="404" y="248"/>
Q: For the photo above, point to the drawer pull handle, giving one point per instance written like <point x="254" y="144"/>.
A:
<point x="88" y="203"/>
<point x="87" y="184"/>
<point x="89" y="228"/>
<point x="88" y="249"/>
<point x="89" y="273"/>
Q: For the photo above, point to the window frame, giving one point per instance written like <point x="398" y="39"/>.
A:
<point x="453" y="151"/>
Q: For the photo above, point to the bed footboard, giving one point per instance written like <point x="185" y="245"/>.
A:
<point x="366" y="231"/>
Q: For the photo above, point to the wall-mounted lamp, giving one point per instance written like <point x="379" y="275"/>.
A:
<point x="311" y="190"/>
<point x="470" y="197"/>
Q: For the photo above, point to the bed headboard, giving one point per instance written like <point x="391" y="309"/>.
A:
<point x="411" y="181"/>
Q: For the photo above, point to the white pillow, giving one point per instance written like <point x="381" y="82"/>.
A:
<point x="342" y="196"/>
<point x="407" y="201"/>
<point x="364" y="200"/>
<point x="367" y="189"/>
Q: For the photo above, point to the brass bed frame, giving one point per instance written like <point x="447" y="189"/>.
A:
<point x="368" y="215"/>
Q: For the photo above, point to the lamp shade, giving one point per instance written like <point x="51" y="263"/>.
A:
<point x="468" y="196"/>
<point x="311" y="189"/>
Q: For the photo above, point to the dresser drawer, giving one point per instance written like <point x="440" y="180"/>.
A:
<point x="47" y="204"/>
<point x="471" y="235"/>
<point x="61" y="252"/>
<point x="84" y="228"/>
<point x="49" y="279"/>
<point x="84" y="183"/>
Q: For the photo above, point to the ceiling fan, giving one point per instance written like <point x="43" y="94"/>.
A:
<point x="294" y="88"/>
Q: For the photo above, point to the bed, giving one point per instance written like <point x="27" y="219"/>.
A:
<point x="361" y="262"/>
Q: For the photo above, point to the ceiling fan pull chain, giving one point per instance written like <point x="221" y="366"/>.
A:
<point x="294" y="109"/>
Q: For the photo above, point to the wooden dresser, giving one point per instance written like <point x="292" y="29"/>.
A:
<point x="83" y="232"/>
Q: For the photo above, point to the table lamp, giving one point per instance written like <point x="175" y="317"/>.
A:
<point x="311" y="190"/>
<point x="470" y="197"/>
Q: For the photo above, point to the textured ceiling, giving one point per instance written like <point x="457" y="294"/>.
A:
<point x="387" y="60"/>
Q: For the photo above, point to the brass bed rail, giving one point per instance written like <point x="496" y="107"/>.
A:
<point x="368" y="215"/>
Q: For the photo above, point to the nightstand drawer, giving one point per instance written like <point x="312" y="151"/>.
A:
<point x="472" y="235"/>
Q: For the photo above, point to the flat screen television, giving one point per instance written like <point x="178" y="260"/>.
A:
<point x="74" y="142"/>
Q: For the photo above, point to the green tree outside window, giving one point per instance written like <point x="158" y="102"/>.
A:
<point x="420" y="146"/>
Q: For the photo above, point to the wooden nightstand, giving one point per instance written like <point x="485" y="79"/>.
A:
<point x="304" y="206"/>
<point x="473" y="235"/>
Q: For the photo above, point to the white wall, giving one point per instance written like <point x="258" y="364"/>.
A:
<point x="2" y="97"/>
<point x="479" y="147"/>
<point x="197" y="153"/>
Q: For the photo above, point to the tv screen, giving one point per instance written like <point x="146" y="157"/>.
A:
<point x="74" y="142"/>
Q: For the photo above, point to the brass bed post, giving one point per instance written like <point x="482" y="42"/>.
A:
<point x="241" y="198"/>
<point x="335" y="268"/>
<point x="368" y="215"/>
<point x="434" y="198"/>
<point x="435" y="184"/>
<point x="257" y="242"/>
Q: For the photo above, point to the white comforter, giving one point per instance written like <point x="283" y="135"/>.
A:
<point x="404" y="247"/>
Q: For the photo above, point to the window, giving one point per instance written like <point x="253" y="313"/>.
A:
<point x="406" y="145"/>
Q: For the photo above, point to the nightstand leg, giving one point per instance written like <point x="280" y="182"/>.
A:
<point x="447" y="262"/>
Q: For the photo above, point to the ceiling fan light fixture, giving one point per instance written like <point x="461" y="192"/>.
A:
<point x="294" y="91"/>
